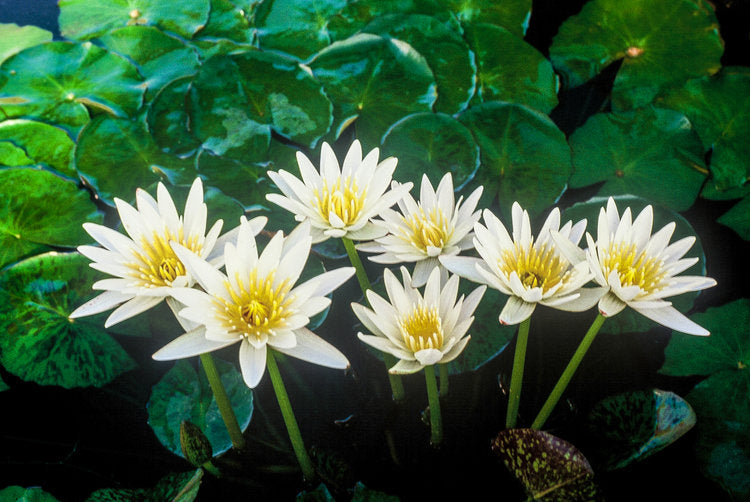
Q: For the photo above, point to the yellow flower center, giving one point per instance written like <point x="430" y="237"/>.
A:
<point x="634" y="269"/>
<point x="343" y="198"/>
<point x="536" y="266"/>
<point x="429" y="228"/>
<point x="258" y="307"/>
<point x="422" y="329"/>
<point x="157" y="263"/>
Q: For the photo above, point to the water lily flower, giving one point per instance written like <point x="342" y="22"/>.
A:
<point x="532" y="271"/>
<point x="145" y="267"/>
<point x="425" y="230"/>
<point x="419" y="330"/>
<point x="638" y="269"/>
<point x="339" y="201"/>
<point x="256" y="303"/>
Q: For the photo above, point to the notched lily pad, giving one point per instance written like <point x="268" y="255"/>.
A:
<point x="14" y="38"/>
<point x="42" y="143"/>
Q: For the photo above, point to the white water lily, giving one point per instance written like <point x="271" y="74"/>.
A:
<point x="638" y="269"/>
<point x="532" y="271"/>
<point x="145" y="267"/>
<point x="256" y="303"/>
<point x="419" y="330"/>
<point x="339" y="201"/>
<point x="425" y="230"/>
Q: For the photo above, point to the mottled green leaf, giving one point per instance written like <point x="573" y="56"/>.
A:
<point x="43" y="143"/>
<point x="364" y="494"/>
<point x="181" y="487"/>
<point x="184" y="394"/>
<point x="512" y="15"/>
<point x="169" y="117"/>
<point x="661" y="44"/>
<point x="83" y="19"/>
<point x="20" y="494"/>
<point x="228" y="21"/>
<point x="549" y="468"/>
<point x="40" y="343"/>
<point x="722" y="449"/>
<point x="510" y="69"/>
<point x="14" y="38"/>
<point x="522" y="152"/>
<point x="27" y="198"/>
<point x="653" y="153"/>
<point x="356" y="15"/>
<point x="373" y="82"/>
<point x="738" y="218"/>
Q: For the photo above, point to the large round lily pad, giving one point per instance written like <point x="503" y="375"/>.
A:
<point x="661" y="43"/>
<point x="14" y="38"/>
<point x="40" y="343"/>
<point x="653" y="153"/>
<point x="43" y="143"/>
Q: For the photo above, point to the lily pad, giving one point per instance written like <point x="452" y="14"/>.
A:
<point x="74" y="77"/>
<point x="549" y="468"/>
<point x="431" y="144"/>
<point x="29" y="196"/>
<point x="630" y="321"/>
<point x="20" y="494"/>
<point x="3" y="385"/>
<point x="738" y="218"/>
<point x="243" y="181"/>
<point x="40" y="343"/>
<point x="722" y="449"/>
<point x="445" y="51"/>
<point x="513" y="16"/>
<point x="510" y="69"/>
<point x="12" y="155"/>
<point x="116" y="156"/>
<point x="169" y="117"/>
<point x="43" y="143"/>
<point x="653" y="57"/>
<point x="84" y="19"/>
<point x="522" y="152"/>
<point x="718" y="110"/>
<point x="14" y="38"/>
<point x="181" y="487"/>
<point x="373" y="82"/>
<point x="228" y="29"/>
<point x="356" y="15"/>
<point x="184" y="394"/>
<point x="653" y="153"/>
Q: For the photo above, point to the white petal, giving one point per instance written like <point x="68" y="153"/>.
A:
<point x="252" y="363"/>
<point x="190" y="344"/>
<point x="312" y="348"/>
<point x="405" y="367"/>
<point x="587" y="298"/>
<point x="368" y="232"/>
<point x="209" y="278"/>
<point x="464" y="266"/>
<point x="454" y="351"/>
<point x="672" y="318"/>
<point x="428" y="357"/>
<point x="329" y="281"/>
<point x="131" y="308"/>
<point x="101" y="303"/>
<point x="610" y="305"/>
<point x="516" y="310"/>
<point x="385" y="345"/>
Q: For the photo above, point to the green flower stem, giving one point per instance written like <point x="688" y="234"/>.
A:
<point x="308" y="471"/>
<point x="562" y="383"/>
<point x="210" y="467"/>
<point x="222" y="400"/>
<point x="516" y="377"/>
<point x="436" y="419"/>
<point x="397" y="386"/>
<point x="444" y="381"/>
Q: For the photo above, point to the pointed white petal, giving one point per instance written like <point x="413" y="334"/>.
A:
<point x="131" y="308"/>
<point x="190" y="344"/>
<point x="209" y="278"/>
<point x="312" y="348"/>
<point x="672" y="318"/>
<point x="427" y="357"/>
<point x="101" y="303"/>
<point x="515" y="311"/>
<point x="405" y="367"/>
<point x="610" y="305"/>
<point x="464" y="266"/>
<point x="252" y="363"/>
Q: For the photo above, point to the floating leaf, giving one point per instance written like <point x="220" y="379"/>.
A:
<point x="356" y="15"/>
<point x="12" y="155"/>
<point x="654" y="58"/>
<point x="28" y="197"/>
<point x="319" y="494"/>
<point x="373" y="82"/>
<point x="549" y="468"/>
<point x="522" y="152"/>
<point x="3" y="385"/>
<point x="641" y="153"/>
<point x="364" y="494"/>
<point x="182" y="487"/>
<point x="227" y="21"/>
<point x="43" y="143"/>
<point x="445" y="51"/>
<point x="184" y="394"/>
<point x="717" y="108"/>
<point x="14" y="38"/>
<point x="510" y="69"/>
<point x="169" y="119"/>
<point x="431" y="144"/>
<point x="40" y="343"/>
<point x="738" y="218"/>
<point x="75" y="76"/>
<point x="244" y="181"/>
<point x="513" y="16"/>
<point x="20" y="494"/>
<point x="83" y="19"/>
<point x="722" y="449"/>
<point x="630" y="321"/>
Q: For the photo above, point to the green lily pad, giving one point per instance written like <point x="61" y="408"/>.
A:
<point x="738" y="218"/>
<point x="160" y="58"/>
<point x="43" y="143"/>
<point x="513" y="16"/>
<point x="364" y="494"/>
<point x="75" y="76"/>
<point x="373" y="82"/>
<point x="356" y="15"/>
<point x="630" y="321"/>
<point x="510" y="69"/>
<point x="181" y="487"/>
<point x="14" y="38"/>
<point x="549" y="468"/>
<point x="653" y="153"/>
<point x="169" y="118"/>
<point x="710" y="192"/>
<point x="184" y="394"/>
<point x="40" y="343"/>
<point x="29" y="196"/>
<point x="116" y="156"/>
<point x="654" y="57"/>
<point x="722" y="449"/>
<point x="3" y="385"/>
<point x="431" y="144"/>
<point x="522" y="152"/>
<point x="721" y="115"/>
<point x="12" y="155"/>
<point x="20" y="494"/>
<point x="444" y="50"/>
<point x="228" y="20"/>
<point x="320" y="494"/>
<point x="84" y="19"/>
<point x="243" y="181"/>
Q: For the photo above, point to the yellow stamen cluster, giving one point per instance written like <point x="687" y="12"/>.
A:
<point x="343" y="198"/>
<point x="536" y="266"/>
<point x="157" y="263"/>
<point x="427" y="228"/>
<point x="634" y="269"/>
<point x="258" y="306"/>
<point x="422" y="329"/>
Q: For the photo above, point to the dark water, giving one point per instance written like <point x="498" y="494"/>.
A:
<point x="42" y="13"/>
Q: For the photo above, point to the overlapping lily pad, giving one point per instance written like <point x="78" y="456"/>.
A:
<point x="653" y="153"/>
<point x="169" y="117"/>
<point x="661" y="44"/>
<point x="181" y="487"/>
<point x="40" y="343"/>
<point x="513" y="16"/>
<point x="373" y="82"/>
<point x="184" y="394"/>
<point x="14" y="38"/>
<point x="228" y="29"/>
<point x="738" y="218"/>
<point x="21" y="494"/>
<point x="42" y="143"/>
